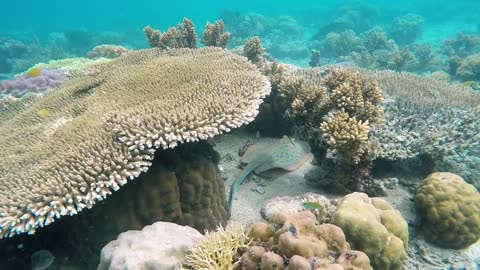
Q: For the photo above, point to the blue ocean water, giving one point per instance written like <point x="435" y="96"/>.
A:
<point x="43" y="17"/>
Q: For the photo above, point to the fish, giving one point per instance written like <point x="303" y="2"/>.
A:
<point x="285" y="154"/>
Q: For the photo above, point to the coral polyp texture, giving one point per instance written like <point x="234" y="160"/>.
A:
<point x="36" y="81"/>
<point x="295" y="241"/>
<point x="450" y="209"/>
<point x="102" y="130"/>
<point x="371" y="225"/>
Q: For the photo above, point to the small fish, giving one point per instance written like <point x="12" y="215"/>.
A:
<point x="311" y="205"/>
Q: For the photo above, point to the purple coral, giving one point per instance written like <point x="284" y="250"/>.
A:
<point x="23" y="84"/>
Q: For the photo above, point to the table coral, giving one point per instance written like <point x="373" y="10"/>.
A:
<point x="450" y="209"/>
<point x="111" y="123"/>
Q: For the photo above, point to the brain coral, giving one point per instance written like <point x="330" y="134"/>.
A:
<point x="103" y="129"/>
<point x="451" y="210"/>
<point x="371" y="225"/>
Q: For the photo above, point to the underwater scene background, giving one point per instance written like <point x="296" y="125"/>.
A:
<point x="230" y="135"/>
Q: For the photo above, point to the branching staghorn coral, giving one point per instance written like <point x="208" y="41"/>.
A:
<point x="161" y="99"/>
<point x="214" y="35"/>
<point x="218" y="250"/>
<point x="183" y="36"/>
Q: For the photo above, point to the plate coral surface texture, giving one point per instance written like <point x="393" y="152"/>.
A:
<point x="103" y="128"/>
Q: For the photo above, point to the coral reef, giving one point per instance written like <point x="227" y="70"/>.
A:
<point x="429" y="122"/>
<point x="215" y="35"/>
<point x="32" y="82"/>
<point x="107" y="51"/>
<point x="295" y="240"/>
<point x="112" y="142"/>
<point x="371" y="225"/>
<point x="161" y="245"/>
<point x="183" y="36"/>
<point x="450" y="209"/>
<point x="352" y="103"/>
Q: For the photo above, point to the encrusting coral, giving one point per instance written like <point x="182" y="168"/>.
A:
<point x="450" y="209"/>
<point x="371" y="225"/>
<point x="214" y="35"/>
<point x="183" y="36"/>
<point x="103" y="129"/>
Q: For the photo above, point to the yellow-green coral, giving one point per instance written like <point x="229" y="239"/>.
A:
<point x="346" y="136"/>
<point x="218" y="249"/>
<point x="451" y="210"/>
<point x="371" y="225"/>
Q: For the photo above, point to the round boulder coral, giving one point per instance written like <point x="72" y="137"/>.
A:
<point x="450" y="208"/>
<point x="371" y="225"/>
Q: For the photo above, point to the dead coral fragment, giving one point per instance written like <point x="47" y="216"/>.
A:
<point x="183" y="36"/>
<point x="214" y="35"/>
<point x="346" y="136"/>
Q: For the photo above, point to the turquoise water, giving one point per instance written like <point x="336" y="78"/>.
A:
<point x="44" y="17"/>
